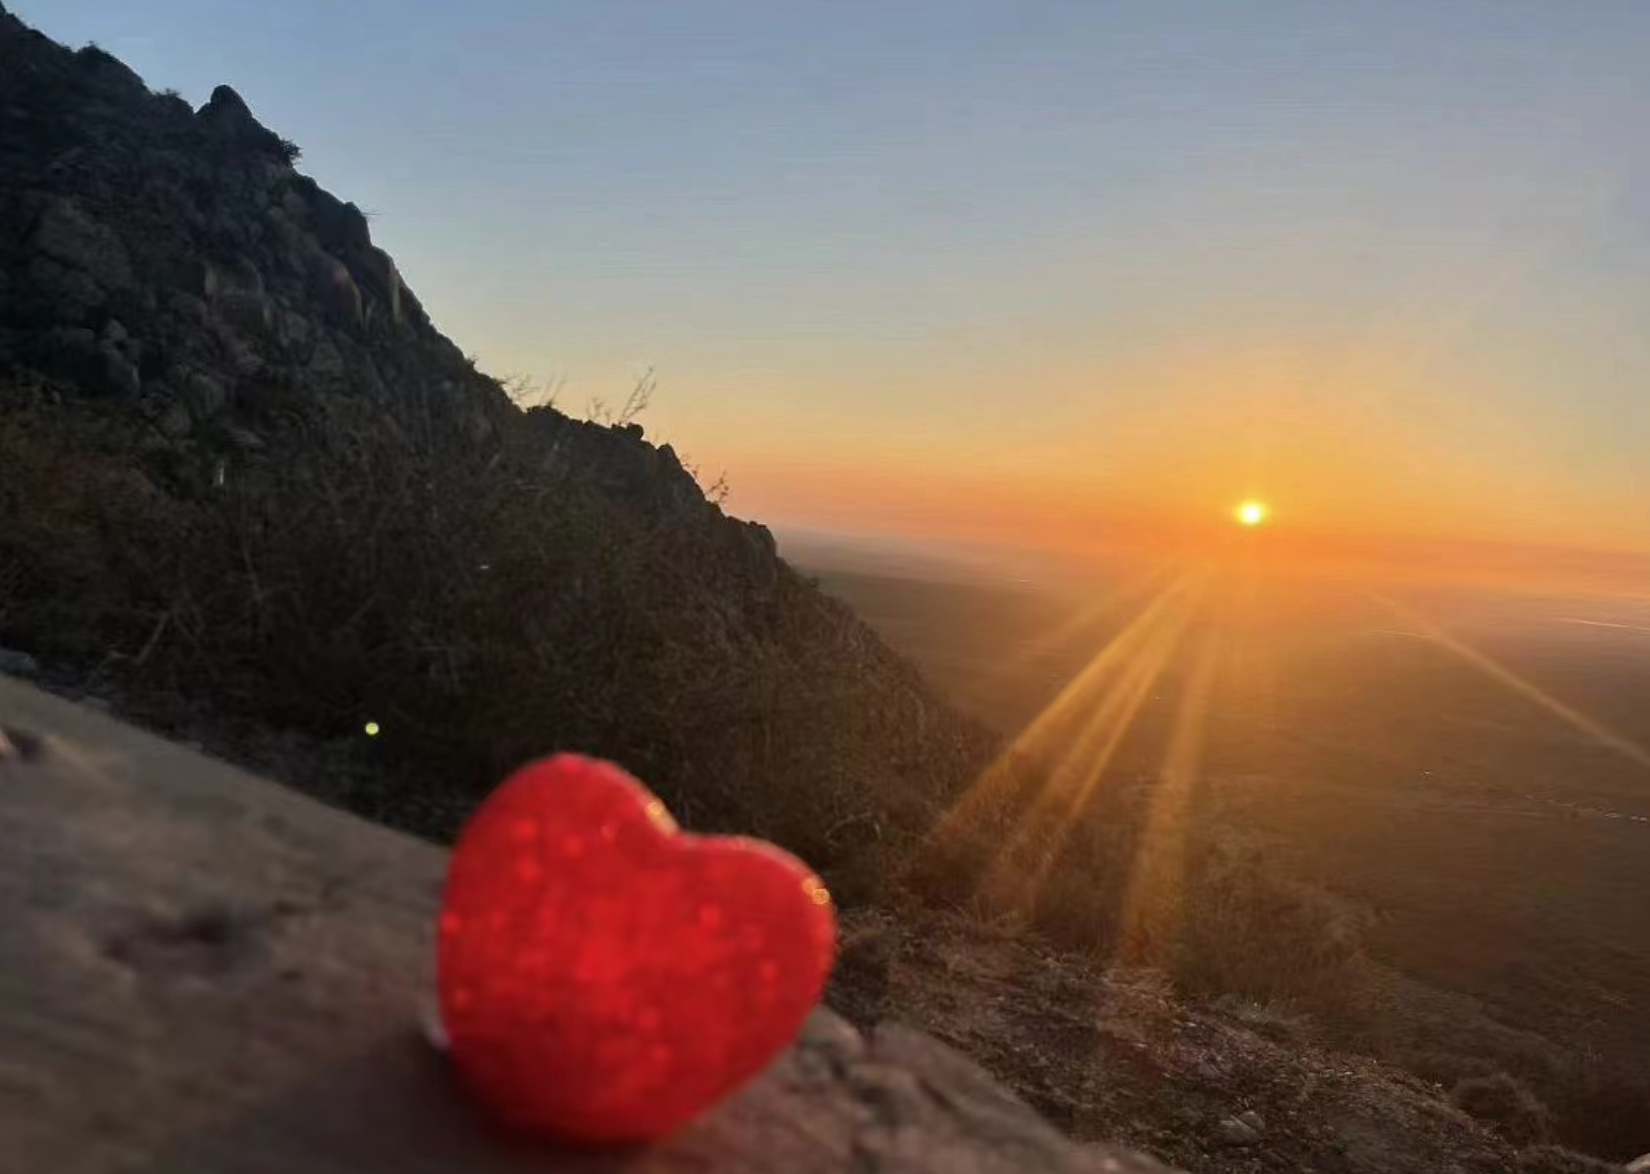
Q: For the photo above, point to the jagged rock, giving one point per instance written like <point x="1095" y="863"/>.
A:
<point x="228" y="117"/>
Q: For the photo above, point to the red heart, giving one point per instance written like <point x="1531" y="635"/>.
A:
<point x="604" y="977"/>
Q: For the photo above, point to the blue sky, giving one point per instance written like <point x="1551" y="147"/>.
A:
<point x="1364" y="257"/>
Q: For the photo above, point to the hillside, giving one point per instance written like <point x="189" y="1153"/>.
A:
<point x="250" y="487"/>
<point x="252" y="497"/>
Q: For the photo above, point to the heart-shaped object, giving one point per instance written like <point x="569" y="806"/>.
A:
<point x="605" y="977"/>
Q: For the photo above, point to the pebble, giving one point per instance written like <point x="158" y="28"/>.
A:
<point x="1235" y="1131"/>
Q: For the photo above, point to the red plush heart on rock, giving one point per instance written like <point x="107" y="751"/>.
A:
<point x="603" y="977"/>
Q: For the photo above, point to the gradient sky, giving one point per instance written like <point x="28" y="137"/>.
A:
<point x="1036" y="271"/>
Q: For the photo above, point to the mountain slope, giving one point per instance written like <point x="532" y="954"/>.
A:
<point x="248" y="482"/>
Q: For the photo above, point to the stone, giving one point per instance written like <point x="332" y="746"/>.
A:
<point x="62" y="293"/>
<point x="1234" y="1132"/>
<point x="239" y="353"/>
<point x="205" y="395"/>
<point x="113" y="331"/>
<point x="245" y="309"/>
<point x="383" y="281"/>
<point x="325" y="363"/>
<point x="228" y="116"/>
<point x="227" y="977"/>
<point x="175" y="422"/>
<point x="293" y="330"/>
<point x="120" y="376"/>
<point x="18" y="664"/>
<point x="70" y="353"/>
<point x="187" y="306"/>
<point x="70" y="236"/>
<point x="1253" y="1120"/>
<point x="338" y="292"/>
<point x="244" y="439"/>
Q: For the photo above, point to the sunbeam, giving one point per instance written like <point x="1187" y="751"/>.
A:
<point x="1502" y="675"/>
<point x="997" y="783"/>
<point x="1037" y="840"/>
<point x="1152" y="901"/>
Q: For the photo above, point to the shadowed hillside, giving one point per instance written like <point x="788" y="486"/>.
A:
<point x="251" y="491"/>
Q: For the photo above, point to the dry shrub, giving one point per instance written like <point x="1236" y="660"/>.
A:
<point x="484" y="605"/>
<point x="1503" y="1104"/>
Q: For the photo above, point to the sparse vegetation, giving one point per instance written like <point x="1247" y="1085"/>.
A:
<point x="626" y="414"/>
<point x="1505" y="1104"/>
<point x="483" y="607"/>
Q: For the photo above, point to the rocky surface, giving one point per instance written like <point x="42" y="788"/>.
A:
<point x="1110" y="1052"/>
<point x="202" y="971"/>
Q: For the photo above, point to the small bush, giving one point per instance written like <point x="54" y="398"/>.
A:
<point x="1505" y="1105"/>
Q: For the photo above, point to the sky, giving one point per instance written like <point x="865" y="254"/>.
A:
<point x="1042" y="273"/>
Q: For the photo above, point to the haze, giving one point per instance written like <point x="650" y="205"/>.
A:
<point x="1043" y="272"/>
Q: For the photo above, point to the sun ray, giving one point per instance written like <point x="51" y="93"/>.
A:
<point x="1038" y="837"/>
<point x="997" y="782"/>
<point x="1504" y="676"/>
<point x="1156" y="889"/>
<point x="1147" y="586"/>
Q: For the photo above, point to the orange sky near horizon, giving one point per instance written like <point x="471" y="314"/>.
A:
<point x="1343" y="449"/>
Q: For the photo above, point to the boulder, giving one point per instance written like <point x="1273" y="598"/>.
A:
<point x="205" y="395"/>
<point x="18" y="664"/>
<point x="119" y="376"/>
<point x="60" y="293"/>
<point x="337" y="292"/>
<point x="70" y="236"/>
<point x="209" y="972"/>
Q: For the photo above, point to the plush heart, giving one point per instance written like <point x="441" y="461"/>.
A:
<point x="604" y="977"/>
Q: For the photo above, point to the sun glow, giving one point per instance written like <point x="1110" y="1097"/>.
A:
<point x="1251" y="513"/>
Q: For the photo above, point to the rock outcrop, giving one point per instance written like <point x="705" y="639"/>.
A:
<point x="176" y="264"/>
<point x="206" y="972"/>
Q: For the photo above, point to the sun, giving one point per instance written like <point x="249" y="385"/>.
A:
<point x="1251" y="513"/>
